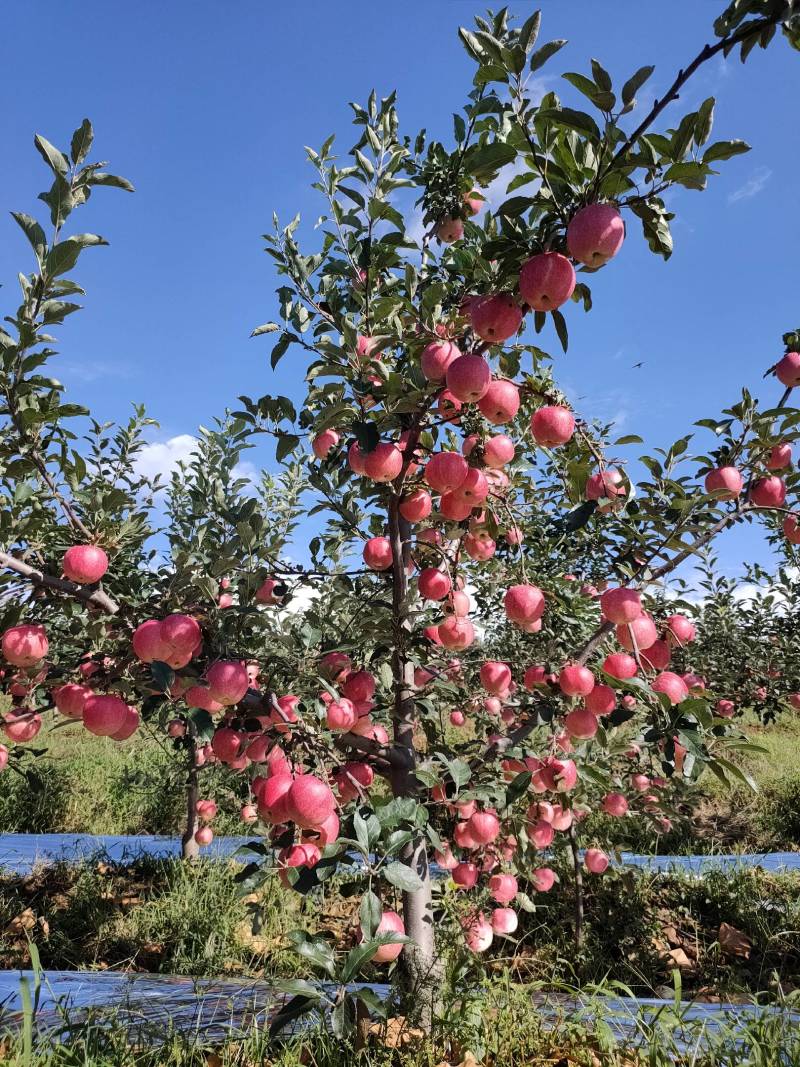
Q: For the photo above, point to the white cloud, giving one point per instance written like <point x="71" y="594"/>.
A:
<point x="752" y="187"/>
<point x="94" y="370"/>
<point x="162" y="458"/>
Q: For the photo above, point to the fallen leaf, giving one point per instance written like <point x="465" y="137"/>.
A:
<point x="679" y="958"/>
<point x="22" y="923"/>
<point x="733" y="942"/>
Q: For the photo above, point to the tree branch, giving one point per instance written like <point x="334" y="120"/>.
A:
<point x="47" y="581"/>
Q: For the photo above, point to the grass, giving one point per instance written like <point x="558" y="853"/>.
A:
<point x="507" y="1027"/>
<point x="87" y="784"/>
<point x="165" y="916"/>
<point x="154" y="915"/>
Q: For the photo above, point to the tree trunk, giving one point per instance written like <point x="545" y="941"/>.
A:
<point x="189" y="848"/>
<point x="578" y="869"/>
<point x="421" y="965"/>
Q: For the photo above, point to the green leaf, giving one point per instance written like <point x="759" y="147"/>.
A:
<point x="287" y="443"/>
<point x="33" y="231"/>
<point x="400" y="875"/>
<point x="369" y="914"/>
<point x="485" y="160"/>
<point x="268" y="327"/>
<point x="162" y="674"/>
<point x="471" y="43"/>
<point x="705" y="119"/>
<point x="298" y="987"/>
<point x="56" y="161"/>
<point x="601" y="76"/>
<point x="634" y="84"/>
<point x="547" y="51"/>
<point x="530" y="31"/>
<point x="560" y="324"/>
<point x="725" y="150"/>
<point x="573" y="120"/>
<point x="315" y="950"/>
<point x="81" y="142"/>
<point x="113" y="180"/>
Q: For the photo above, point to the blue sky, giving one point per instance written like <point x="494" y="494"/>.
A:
<point x="206" y="107"/>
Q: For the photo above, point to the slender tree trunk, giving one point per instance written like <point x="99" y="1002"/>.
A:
<point x="189" y="847"/>
<point x="578" y="869"/>
<point x="421" y="964"/>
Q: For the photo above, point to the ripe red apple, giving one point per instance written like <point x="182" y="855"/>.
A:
<point x="324" y="443"/>
<point x="384" y="462"/>
<point x="456" y="633"/>
<point x="378" y="553"/>
<point x="227" y="682"/>
<point x="606" y="485"/>
<point x="70" y="699"/>
<point x="494" y="318"/>
<point x="309" y="801"/>
<point x="768" y="492"/>
<point x="474" y="202"/>
<point x="416" y="505"/>
<point x="552" y="425"/>
<point x="104" y="715"/>
<point x="791" y="528"/>
<point x="640" y="634"/>
<point x="672" y="685"/>
<point x="450" y="229"/>
<point x="575" y="680"/>
<point x="680" y="630"/>
<point x="620" y="665"/>
<point x="602" y="700"/>
<point x="446" y="471"/>
<point x="503" y="888"/>
<point x="479" y="547"/>
<point x="543" y="879"/>
<point x="547" y="281"/>
<point x="473" y="490"/>
<point x="725" y="483"/>
<point x="267" y="592"/>
<point x="787" y="370"/>
<point x="359" y="686"/>
<point x="355" y="458"/>
<point x="581" y="723"/>
<point x="780" y="456"/>
<point x="497" y="451"/>
<point x="21" y="724"/>
<point x="621" y="605"/>
<point x="180" y="633"/>
<point x="524" y="603"/>
<point x="469" y="378"/>
<point x="484" y="826"/>
<point x="615" y="804"/>
<point x="596" y="861"/>
<point x="725" y="708"/>
<point x="25" y="645"/>
<point x="390" y="923"/>
<point x="595" y="234"/>
<point x="478" y="933"/>
<point x="657" y="656"/>
<point x="129" y="727"/>
<point x="436" y="358"/>
<point x="500" y="403"/>
<point x="433" y="584"/>
<point x="495" y="677"/>
<point x="84" y="564"/>
<point x="204" y="836"/>
<point x="465" y="875"/>
<point x="504" y="920"/>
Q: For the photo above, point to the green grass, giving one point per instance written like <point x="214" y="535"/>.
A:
<point x="504" y="1028"/>
<point x="87" y="784"/>
<point x="156" y="915"/>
